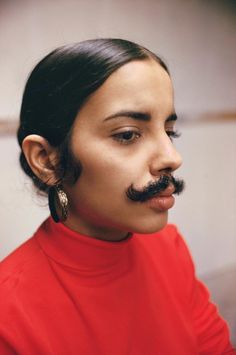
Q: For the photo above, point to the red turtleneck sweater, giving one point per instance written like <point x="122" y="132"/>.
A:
<point x="62" y="293"/>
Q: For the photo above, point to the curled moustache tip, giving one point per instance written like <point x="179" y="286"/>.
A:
<point x="179" y="186"/>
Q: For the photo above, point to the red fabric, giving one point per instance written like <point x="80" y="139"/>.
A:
<point x="63" y="293"/>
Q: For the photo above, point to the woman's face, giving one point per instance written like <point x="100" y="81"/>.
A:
<point x="121" y="137"/>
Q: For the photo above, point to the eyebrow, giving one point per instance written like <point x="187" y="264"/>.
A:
<point x="139" y="116"/>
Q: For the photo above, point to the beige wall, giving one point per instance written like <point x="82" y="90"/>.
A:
<point x="197" y="38"/>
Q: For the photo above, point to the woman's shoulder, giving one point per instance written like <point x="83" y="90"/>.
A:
<point x="22" y="262"/>
<point x="17" y="263"/>
<point x="22" y="276"/>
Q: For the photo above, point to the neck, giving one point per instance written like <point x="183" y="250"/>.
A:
<point x="96" y="231"/>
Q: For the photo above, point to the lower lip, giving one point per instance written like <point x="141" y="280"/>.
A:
<point x="161" y="203"/>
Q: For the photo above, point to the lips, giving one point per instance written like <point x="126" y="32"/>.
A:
<point x="167" y="192"/>
<point x="164" y="200"/>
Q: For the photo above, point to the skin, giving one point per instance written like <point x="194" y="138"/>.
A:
<point x="113" y="159"/>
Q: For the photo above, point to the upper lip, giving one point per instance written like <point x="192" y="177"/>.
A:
<point x="167" y="192"/>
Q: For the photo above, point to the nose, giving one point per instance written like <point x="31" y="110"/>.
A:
<point x="165" y="157"/>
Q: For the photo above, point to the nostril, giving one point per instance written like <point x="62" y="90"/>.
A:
<point x="166" y="171"/>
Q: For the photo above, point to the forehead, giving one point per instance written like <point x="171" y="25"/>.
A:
<point x="147" y="72"/>
<point x="140" y="85"/>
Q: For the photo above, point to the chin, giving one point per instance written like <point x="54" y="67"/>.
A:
<point x="151" y="226"/>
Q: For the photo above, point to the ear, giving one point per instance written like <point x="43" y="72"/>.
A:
<point x="41" y="157"/>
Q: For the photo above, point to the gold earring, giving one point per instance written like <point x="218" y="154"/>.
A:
<point x="56" y="196"/>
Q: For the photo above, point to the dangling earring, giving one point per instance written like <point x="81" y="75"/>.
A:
<point x="56" y="194"/>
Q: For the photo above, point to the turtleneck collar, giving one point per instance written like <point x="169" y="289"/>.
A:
<point x="81" y="252"/>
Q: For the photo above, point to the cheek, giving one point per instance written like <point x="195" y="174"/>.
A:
<point x="107" y="172"/>
<point x="101" y="187"/>
<point x="102" y="173"/>
<point x="99" y="194"/>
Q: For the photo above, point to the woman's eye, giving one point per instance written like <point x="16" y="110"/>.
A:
<point x="126" y="137"/>
<point x="173" y="134"/>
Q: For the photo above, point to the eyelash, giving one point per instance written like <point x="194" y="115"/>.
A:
<point x="119" y="137"/>
<point x="173" y="134"/>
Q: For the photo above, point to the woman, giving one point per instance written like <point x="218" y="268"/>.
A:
<point x="104" y="274"/>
